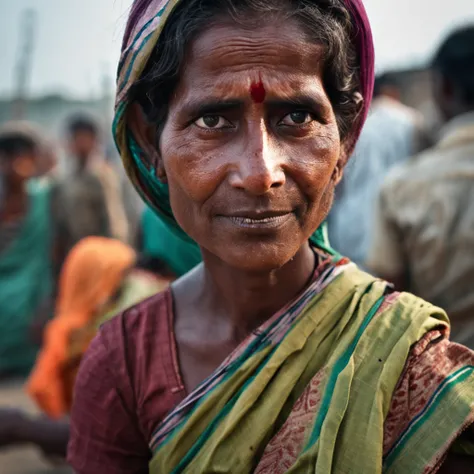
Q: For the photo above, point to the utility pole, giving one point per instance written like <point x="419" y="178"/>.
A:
<point x="24" y="63"/>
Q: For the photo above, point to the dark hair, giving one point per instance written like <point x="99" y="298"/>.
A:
<point x="454" y="60"/>
<point x="82" y="123"/>
<point x="15" y="142"/>
<point x="153" y="265"/>
<point x="326" y="22"/>
<point x="391" y="79"/>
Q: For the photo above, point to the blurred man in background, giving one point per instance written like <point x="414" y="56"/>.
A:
<point x="88" y="200"/>
<point x="392" y="133"/>
<point x="424" y="236"/>
<point x="48" y="163"/>
<point x="26" y="243"/>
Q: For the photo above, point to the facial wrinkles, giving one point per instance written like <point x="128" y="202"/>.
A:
<point x="255" y="83"/>
<point x="205" y="167"/>
<point x="214" y="65"/>
<point x="256" y="152"/>
<point x="323" y="141"/>
<point x="267" y="47"/>
<point x="241" y="68"/>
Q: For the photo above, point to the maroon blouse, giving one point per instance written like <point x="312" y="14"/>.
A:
<point x="128" y="380"/>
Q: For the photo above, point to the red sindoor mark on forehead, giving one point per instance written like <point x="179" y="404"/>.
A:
<point x="257" y="91"/>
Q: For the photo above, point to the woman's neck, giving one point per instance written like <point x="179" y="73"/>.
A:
<point x="245" y="300"/>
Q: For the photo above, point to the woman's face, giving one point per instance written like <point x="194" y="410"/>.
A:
<point x="19" y="169"/>
<point x="251" y="148"/>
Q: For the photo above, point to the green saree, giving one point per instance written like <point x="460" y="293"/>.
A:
<point x="311" y="392"/>
<point x="26" y="281"/>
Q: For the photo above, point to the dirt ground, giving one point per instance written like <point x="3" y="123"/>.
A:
<point x="25" y="460"/>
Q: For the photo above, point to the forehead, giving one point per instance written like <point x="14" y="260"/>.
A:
<point x="9" y="158"/>
<point x="226" y="51"/>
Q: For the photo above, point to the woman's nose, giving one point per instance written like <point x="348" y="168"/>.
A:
<point x="259" y="168"/>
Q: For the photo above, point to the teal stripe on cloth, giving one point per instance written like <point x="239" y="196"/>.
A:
<point x="457" y="377"/>
<point x="223" y="413"/>
<point x="135" y="41"/>
<point x="261" y="342"/>
<point x="132" y="64"/>
<point x="333" y="376"/>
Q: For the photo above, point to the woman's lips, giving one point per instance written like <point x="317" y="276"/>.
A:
<point x="257" y="221"/>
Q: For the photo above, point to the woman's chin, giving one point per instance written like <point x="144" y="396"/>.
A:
<point x="255" y="257"/>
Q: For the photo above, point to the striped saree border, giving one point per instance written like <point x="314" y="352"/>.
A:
<point x="339" y="366"/>
<point x="449" y="408"/>
<point x="266" y="338"/>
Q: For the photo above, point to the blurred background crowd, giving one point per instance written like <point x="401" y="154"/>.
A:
<point x="77" y="244"/>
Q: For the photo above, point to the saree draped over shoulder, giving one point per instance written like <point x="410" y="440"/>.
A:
<point x="310" y="391"/>
<point x="26" y="281"/>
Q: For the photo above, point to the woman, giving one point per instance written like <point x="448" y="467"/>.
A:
<point x="26" y="244"/>
<point x="235" y="120"/>
<point x="97" y="281"/>
<point x="100" y="277"/>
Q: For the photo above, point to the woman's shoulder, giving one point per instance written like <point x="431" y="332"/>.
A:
<point x="117" y="348"/>
<point x="139" y="341"/>
<point x="134" y="356"/>
<point x="122" y="385"/>
<point x="152" y="316"/>
<point x="395" y="305"/>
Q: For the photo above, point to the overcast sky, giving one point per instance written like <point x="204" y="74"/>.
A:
<point x="77" y="42"/>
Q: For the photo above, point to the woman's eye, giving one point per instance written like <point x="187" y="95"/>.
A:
<point x="212" y="122"/>
<point x="297" y="118"/>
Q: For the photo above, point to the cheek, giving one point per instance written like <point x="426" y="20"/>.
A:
<point x="24" y="168"/>
<point x="196" y="174"/>
<point x="314" y="168"/>
<point x="193" y="177"/>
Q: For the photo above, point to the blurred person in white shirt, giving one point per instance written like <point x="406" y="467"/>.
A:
<point x="392" y="133"/>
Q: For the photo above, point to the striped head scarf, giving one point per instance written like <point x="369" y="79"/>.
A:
<point x="145" y="24"/>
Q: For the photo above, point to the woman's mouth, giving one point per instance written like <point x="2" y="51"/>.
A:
<point x="264" y="221"/>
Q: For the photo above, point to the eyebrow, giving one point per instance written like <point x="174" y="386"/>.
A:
<point x="302" y="100"/>
<point x="305" y="101"/>
<point x="214" y="106"/>
<point x="200" y="108"/>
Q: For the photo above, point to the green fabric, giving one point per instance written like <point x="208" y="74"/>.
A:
<point x="25" y="282"/>
<point x="161" y="242"/>
<point x="444" y="415"/>
<point x="360" y="347"/>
